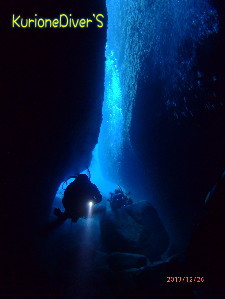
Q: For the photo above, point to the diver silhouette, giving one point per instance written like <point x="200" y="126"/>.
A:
<point x="119" y="199"/>
<point x="76" y="198"/>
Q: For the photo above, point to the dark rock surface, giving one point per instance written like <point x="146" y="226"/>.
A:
<point x="121" y="261"/>
<point x="52" y="85"/>
<point x="136" y="228"/>
<point x="182" y="157"/>
<point x="205" y="252"/>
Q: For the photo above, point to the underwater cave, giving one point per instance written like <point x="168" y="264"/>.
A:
<point x="137" y="105"/>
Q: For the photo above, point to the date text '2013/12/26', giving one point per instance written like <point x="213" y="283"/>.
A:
<point x="186" y="279"/>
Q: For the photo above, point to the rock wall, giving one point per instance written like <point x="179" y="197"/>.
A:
<point x="52" y="84"/>
<point x="183" y="156"/>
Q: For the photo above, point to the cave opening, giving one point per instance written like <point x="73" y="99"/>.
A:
<point x="152" y="138"/>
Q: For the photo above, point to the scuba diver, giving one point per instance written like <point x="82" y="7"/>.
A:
<point x="77" y="196"/>
<point x="119" y="199"/>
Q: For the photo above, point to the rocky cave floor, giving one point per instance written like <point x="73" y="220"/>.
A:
<point x="122" y="254"/>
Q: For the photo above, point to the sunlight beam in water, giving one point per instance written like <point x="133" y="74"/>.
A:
<point x="142" y="35"/>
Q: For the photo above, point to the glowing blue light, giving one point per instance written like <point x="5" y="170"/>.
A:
<point x="136" y="31"/>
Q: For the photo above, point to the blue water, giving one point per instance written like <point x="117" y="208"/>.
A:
<point x="164" y="33"/>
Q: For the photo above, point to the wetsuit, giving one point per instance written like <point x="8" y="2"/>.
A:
<point x="77" y="196"/>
